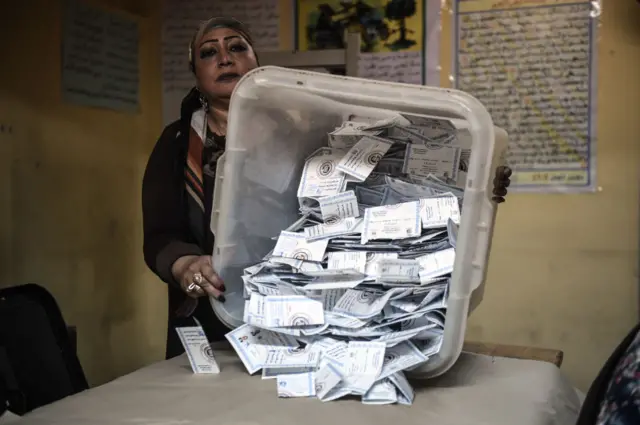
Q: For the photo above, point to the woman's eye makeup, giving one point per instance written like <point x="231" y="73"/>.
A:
<point x="238" y="48"/>
<point x="207" y="53"/>
<point x="211" y="51"/>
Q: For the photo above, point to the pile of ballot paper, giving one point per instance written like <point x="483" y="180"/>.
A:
<point x="354" y="293"/>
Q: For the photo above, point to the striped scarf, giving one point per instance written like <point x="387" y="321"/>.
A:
<point x="194" y="176"/>
<point x="204" y="150"/>
<point x="193" y="167"/>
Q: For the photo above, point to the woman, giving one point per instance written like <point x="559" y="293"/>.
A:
<point x="178" y="182"/>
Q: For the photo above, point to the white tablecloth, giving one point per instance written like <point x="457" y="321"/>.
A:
<point x="479" y="390"/>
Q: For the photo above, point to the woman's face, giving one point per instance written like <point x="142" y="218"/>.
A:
<point x="222" y="56"/>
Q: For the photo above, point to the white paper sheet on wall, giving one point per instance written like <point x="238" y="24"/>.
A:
<point x="99" y="58"/>
<point x="181" y="19"/>
<point x="537" y="83"/>
<point x="400" y="41"/>
<point x="406" y="66"/>
<point x="397" y="67"/>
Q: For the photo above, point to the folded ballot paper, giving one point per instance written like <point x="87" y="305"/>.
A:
<point x="354" y="293"/>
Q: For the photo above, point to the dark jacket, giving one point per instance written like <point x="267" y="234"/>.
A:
<point x="167" y="234"/>
<point x="613" y="395"/>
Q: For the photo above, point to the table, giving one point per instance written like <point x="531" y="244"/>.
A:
<point x="478" y="390"/>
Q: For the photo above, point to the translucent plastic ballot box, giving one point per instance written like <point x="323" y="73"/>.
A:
<point x="278" y="117"/>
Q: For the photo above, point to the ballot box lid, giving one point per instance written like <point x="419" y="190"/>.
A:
<point x="278" y="117"/>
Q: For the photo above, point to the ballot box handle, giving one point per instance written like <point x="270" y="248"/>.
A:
<point x="217" y="193"/>
<point x="488" y="211"/>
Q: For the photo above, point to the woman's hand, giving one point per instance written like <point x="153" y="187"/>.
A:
<point x="197" y="277"/>
<point x="501" y="182"/>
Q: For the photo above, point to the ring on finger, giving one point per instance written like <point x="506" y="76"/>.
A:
<point x="194" y="288"/>
<point x="197" y="289"/>
<point x="197" y="280"/>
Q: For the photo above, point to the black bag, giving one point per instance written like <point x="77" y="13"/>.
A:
<point x="38" y="362"/>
